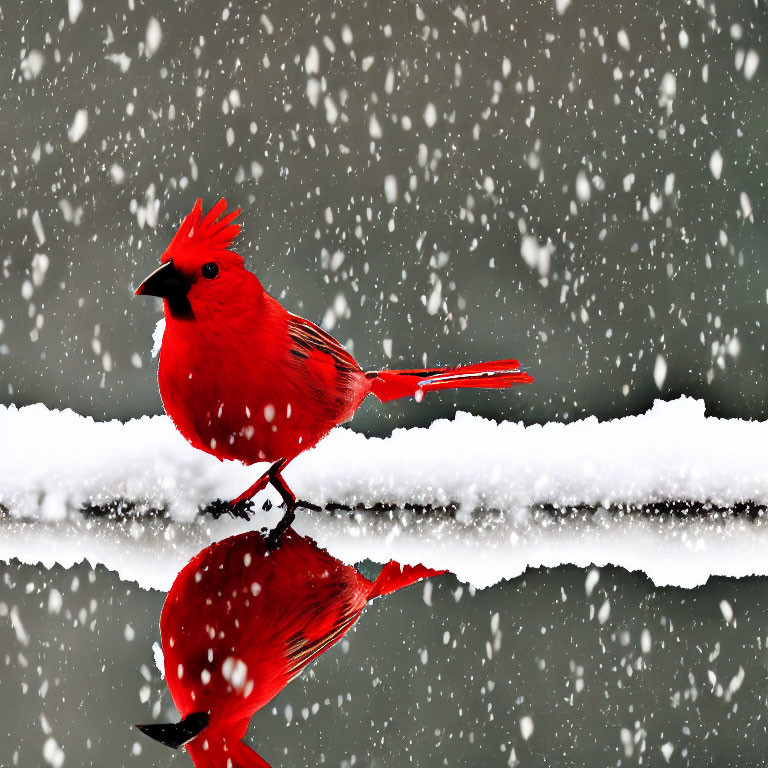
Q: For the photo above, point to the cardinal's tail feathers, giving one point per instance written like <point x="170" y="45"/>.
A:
<point x="216" y="751"/>
<point x="394" y="576"/>
<point x="499" y="374"/>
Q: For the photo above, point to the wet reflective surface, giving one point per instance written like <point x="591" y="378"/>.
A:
<point x="433" y="675"/>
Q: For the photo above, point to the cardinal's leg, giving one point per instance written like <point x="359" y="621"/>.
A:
<point x="291" y="504"/>
<point x="242" y="505"/>
<point x="260" y="484"/>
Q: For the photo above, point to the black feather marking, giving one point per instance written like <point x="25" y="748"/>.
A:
<point x="313" y="339"/>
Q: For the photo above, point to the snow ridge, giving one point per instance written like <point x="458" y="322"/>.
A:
<point x="52" y="463"/>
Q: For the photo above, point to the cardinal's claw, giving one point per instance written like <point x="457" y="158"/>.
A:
<point x="215" y="508"/>
<point x="308" y="505"/>
<point x="218" y="507"/>
<point x="242" y="509"/>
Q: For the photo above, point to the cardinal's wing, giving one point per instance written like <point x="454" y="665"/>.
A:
<point x="304" y="647"/>
<point x="311" y="343"/>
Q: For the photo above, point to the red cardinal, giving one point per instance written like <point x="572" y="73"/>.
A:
<point x="241" y="621"/>
<point x="243" y="378"/>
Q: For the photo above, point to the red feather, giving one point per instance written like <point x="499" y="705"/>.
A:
<point x="240" y="622"/>
<point x="200" y="234"/>
<point x="499" y="374"/>
<point x="243" y="378"/>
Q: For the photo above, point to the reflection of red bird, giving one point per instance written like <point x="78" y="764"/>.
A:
<point x="243" y="378"/>
<point x="241" y="621"/>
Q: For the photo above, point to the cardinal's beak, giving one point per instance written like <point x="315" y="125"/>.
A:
<point x="170" y="284"/>
<point x="176" y="735"/>
<point x="166" y="281"/>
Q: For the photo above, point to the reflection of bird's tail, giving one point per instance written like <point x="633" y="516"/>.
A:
<point x="394" y="576"/>
<point x="499" y="374"/>
<point x="207" y="749"/>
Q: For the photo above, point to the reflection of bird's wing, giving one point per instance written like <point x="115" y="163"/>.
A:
<point x="301" y="648"/>
<point x="309" y="342"/>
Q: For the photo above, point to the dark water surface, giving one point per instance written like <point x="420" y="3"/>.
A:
<point x="434" y="675"/>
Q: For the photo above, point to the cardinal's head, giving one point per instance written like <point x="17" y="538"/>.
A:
<point x="198" y="268"/>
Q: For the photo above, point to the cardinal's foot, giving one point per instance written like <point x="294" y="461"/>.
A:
<point x="218" y="507"/>
<point x="307" y="505"/>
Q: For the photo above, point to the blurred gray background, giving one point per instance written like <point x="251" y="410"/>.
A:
<point x="579" y="185"/>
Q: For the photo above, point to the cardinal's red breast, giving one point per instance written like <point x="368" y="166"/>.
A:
<point x="245" y="388"/>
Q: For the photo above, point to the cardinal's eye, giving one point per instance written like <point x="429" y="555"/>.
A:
<point x="210" y="270"/>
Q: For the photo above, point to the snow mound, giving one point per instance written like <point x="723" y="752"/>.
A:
<point x="504" y="484"/>
<point x="54" y="461"/>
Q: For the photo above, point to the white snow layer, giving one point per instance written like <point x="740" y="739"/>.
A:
<point x="54" y="462"/>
